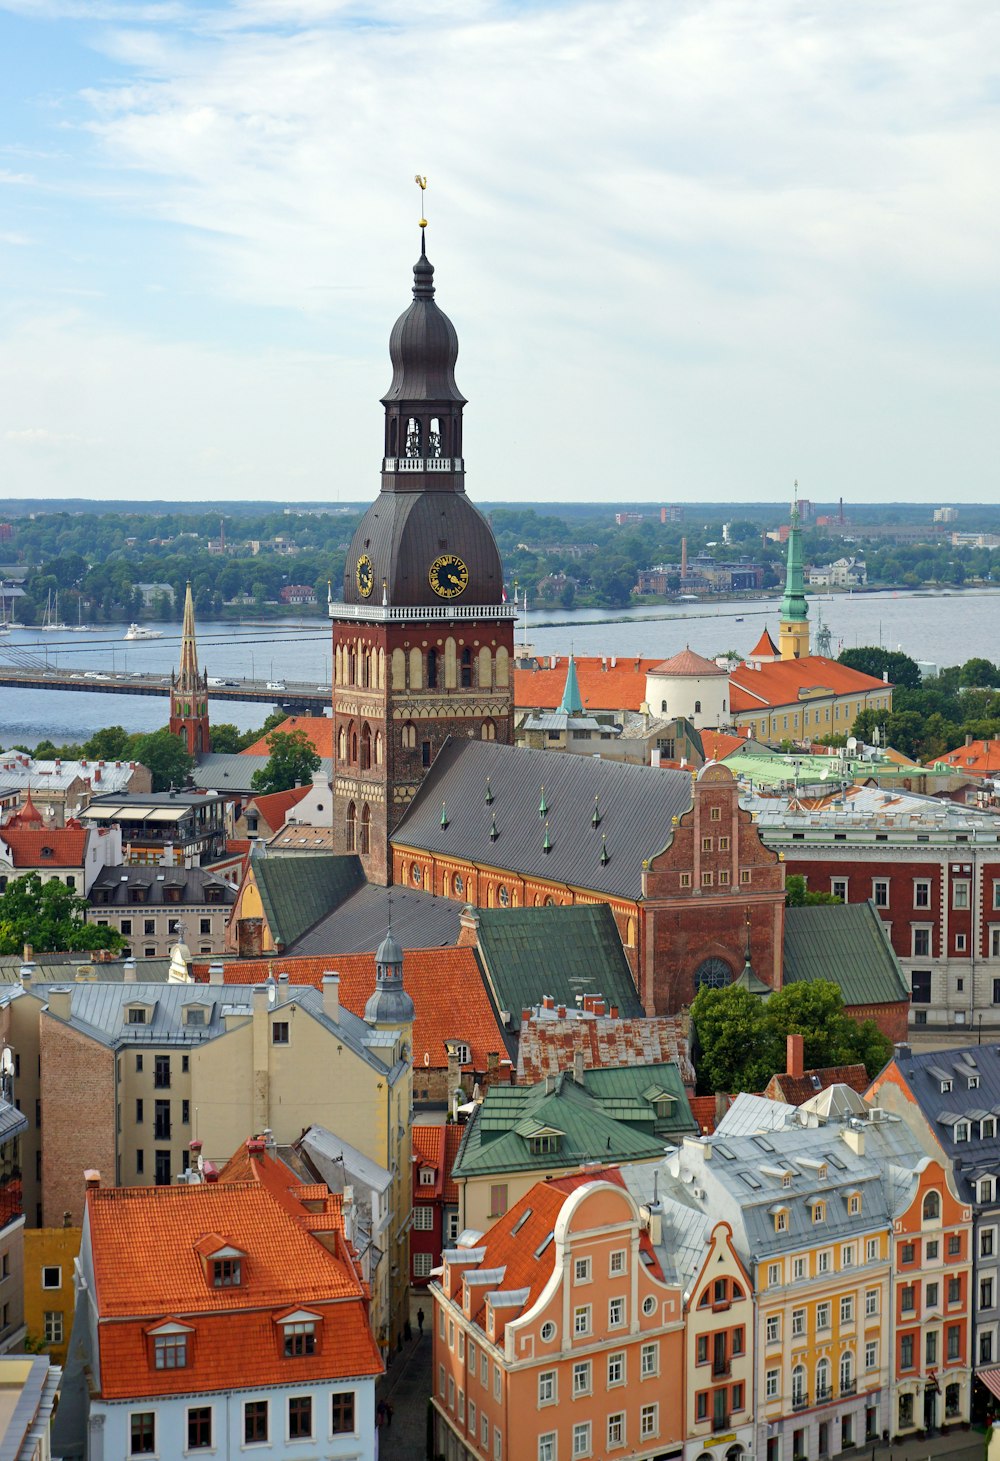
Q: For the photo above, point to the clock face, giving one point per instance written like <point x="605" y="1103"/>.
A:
<point x="448" y="576"/>
<point x="365" y="575"/>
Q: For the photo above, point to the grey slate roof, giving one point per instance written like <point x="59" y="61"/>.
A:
<point x="61" y="968"/>
<point x="297" y="892"/>
<point x="120" y="883"/>
<point x="225" y="771"/>
<point x="358" y="924"/>
<point x="925" y="1072"/>
<point x="845" y="943"/>
<point x="12" y="1121"/>
<point x="636" y="804"/>
<point x="563" y="951"/>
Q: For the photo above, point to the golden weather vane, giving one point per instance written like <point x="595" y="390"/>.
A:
<point x="421" y="183"/>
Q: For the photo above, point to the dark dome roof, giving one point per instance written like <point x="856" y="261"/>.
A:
<point x="403" y="532"/>
<point x="423" y="346"/>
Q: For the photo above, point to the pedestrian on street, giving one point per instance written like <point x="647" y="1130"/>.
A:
<point x="388" y="1412"/>
<point x="420" y="1320"/>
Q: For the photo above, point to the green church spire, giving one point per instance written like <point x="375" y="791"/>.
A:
<point x="572" y="701"/>
<point x="794" y="608"/>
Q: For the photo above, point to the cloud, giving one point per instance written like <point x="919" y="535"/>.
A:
<point x="692" y="250"/>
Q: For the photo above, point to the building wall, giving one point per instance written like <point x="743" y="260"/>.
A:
<point x="719" y="1351"/>
<point x="483" y="1199"/>
<point x="50" y="1248"/>
<point x="150" y="931"/>
<point x="820" y="715"/>
<point x="78" y="1115"/>
<point x="12" y="1285"/>
<point x="702" y="701"/>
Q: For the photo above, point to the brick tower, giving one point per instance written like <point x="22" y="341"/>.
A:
<point x="423" y="639"/>
<point x="189" y="690"/>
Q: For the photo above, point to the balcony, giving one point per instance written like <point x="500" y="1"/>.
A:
<point x="386" y="614"/>
<point x="823" y="1394"/>
<point x="851" y="1388"/>
<point x="423" y="464"/>
<point x="800" y="1402"/>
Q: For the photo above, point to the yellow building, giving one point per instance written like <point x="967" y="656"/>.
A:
<point x="49" y="1254"/>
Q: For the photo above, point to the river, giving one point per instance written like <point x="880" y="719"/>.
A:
<point x="943" y="628"/>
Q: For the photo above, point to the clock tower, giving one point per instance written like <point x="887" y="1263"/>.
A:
<point x="423" y="639"/>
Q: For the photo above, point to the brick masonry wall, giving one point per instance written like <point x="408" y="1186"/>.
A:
<point x="78" y="1117"/>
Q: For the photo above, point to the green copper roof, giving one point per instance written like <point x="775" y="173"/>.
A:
<point x="297" y="892"/>
<point x="571" y="701"/>
<point x="846" y="944"/>
<point x="793" y="604"/>
<point x="565" y="952"/>
<point x="612" y="1124"/>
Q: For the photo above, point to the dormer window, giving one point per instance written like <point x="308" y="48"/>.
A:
<point x="195" y="1014"/>
<point x="427" y="1176"/>
<point x="961" y="1131"/>
<point x="781" y="1220"/>
<point x="946" y="1086"/>
<point x="819" y="1212"/>
<point x="985" y="1193"/>
<point x="170" y="1346"/>
<point x="973" y="1083"/>
<point x="854" y="1204"/>
<point x="821" y="1173"/>
<point x="544" y="1145"/>
<point x="136" y="1015"/>
<point x="300" y="1333"/>
<point x="786" y="1180"/>
<point x="227" y="1273"/>
<point x="47" y="852"/>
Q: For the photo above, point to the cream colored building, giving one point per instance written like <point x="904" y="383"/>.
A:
<point x="127" y="1076"/>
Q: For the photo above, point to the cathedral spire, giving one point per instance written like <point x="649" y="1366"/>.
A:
<point x="794" y="633"/>
<point x="189" y="649"/>
<point x="189" y="690"/>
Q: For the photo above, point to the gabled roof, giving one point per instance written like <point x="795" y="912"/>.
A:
<point x="635" y="806"/>
<point x="798" y="1088"/>
<point x="297" y="892"/>
<point x="274" y="806"/>
<point x="317" y="729"/>
<point x="358" y="924"/>
<point x="787" y="681"/>
<point x="493" y="1142"/>
<point x="765" y="646"/>
<point x="235" y="1340"/>
<point x="446" y="985"/>
<point x="602" y="685"/>
<point x="546" y="1046"/>
<point x="118" y="885"/>
<point x="847" y="945"/>
<point x="981" y="758"/>
<point x="34" y="846"/>
<point x="583" y="954"/>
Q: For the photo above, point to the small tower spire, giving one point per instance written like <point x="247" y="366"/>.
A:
<point x="189" y="690"/>
<point x="189" y="649"/>
<point x="572" y="701"/>
<point x="793" y="639"/>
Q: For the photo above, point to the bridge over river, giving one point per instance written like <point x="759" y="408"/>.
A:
<point x="297" y="698"/>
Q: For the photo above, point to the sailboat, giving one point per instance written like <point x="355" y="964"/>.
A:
<point x="51" y="620"/>
<point x="81" y="627"/>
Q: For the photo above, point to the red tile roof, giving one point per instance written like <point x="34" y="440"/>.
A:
<point x="783" y="682"/>
<point x="687" y="664"/>
<point x="547" y="1046"/>
<point x="26" y="815"/>
<point x="446" y="986"/>
<point x="703" y="1109"/>
<point x="717" y="745"/>
<point x="982" y="758"/>
<point x="602" y="686"/>
<point x="274" y="806"/>
<point x="452" y="1141"/>
<point x="317" y="728"/>
<point x="765" y="646"/>
<point x="67" y="845"/>
<point x="235" y="1341"/>
<point x="794" y="1089"/>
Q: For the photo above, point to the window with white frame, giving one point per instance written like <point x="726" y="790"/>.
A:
<point x="847" y="1309"/>
<point x="847" y="1251"/>
<point x="616" y="1428"/>
<point x="581" y="1270"/>
<point x="961" y="1131"/>
<point x="822" y="1316"/>
<point x="497" y="1443"/>
<point x="871" y="1250"/>
<point x="838" y="887"/>
<point x="422" y="1265"/>
<point x="649" y="1360"/>
<point x="880" y="892"/>
<point x="547" y="1446"/>
<point x="994" y="941"/>
<point x="547" y="1387"/>
<point x="581" y="1438"/>
<point x="616" y="1262"/>
<point x="581" y="1377"/>
<point x="798" y="1323"/>
<point x="773" y="1274"/>
<point x="616" y="1369"/>
<point x="871" y="1303"/>
<point x="798" y="1268"/>
<point x="823" y="1261"/>
<point x="921" y="945"/>
<point x="423" y="1218"/>
<point x="960" y="893"/>
<point x="871" y="1354"/>
<point x="773" y="1328"/>
<point x="921" y="892"/>
<point x="616" y="1313"/>
<point x="581" y="1319"/>
<point x="484" y="1431"/>
<point x="771" y="1381"/>
<point x="649" y="1421"/>
<point x="428" y="1176"/>
<point x="53" y="1326"/>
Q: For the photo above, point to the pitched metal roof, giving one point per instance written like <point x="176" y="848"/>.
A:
<point x="926" y="1072"/>
<point x="847" y="945"/>
<point x="297" y="892"/>
<point x="498" y="1135"/>
<point x="118" y="884"/>
<point x="358" y="924"/>
<point x="561" y="951"/>
<point x="537" y="792"/>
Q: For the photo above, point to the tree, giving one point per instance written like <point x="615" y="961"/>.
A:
<point x="292" y="762"/>
<point x="870" y="659"/>
<point x="798" y="895"/>
<point x="741" y="1037"/>
<point x="50" y="917"/>
<point x="979" y="673"/>
<point x="226" y="737"/>
<point x="165" y="755"/>
<point x="108" y="744"/>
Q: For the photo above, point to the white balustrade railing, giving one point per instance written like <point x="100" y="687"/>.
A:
<point x="385" y="613"/>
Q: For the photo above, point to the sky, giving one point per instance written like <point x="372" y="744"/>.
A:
<point x="694" y="249"/>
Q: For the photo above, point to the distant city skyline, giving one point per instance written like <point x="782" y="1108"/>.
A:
<point x="692" y="252"/>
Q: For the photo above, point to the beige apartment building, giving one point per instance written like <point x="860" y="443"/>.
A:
<point x="124" y="1077"/>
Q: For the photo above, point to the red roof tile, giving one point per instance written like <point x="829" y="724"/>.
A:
<point x="274" y="806"/>
<point x="235" y="1342"/>
<point x="781" y="683"/>
<point x="67" y="845"/>
<point x="547" y="1046"/>
<point x="794" y="1089"/>
<point x="703" y="1109"/>
<point x="717" y="745"/>
<point x="765" y="646"/>
<point x="602" y="686"/>
<point x="446" y="986"/>
<point x="452" y="1141"/>
<point x="982" y="758"/>
<point x="687" y="664"/>
<point x="317" y="728"/>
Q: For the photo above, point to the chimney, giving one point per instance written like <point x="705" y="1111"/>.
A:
<point x="561" y="1011"/>
<point x="468" y="933"/>
<point x="331" y="996"/>
<point x="855" y="1138"/>
<point x="548" y="1002"/>
<point x="216" y="972"/>
<point x="550" y="1085"/>
<point x="968" y="738"/>
<point x="60" y="1002"/>
<point x="684" y="557"/>
<point x="28" y="953"/>
<point x="210" y="1172"/>
<point x="454" y="1080"/>
<point x="795" y="1055"/>
<point x="613" y="1012"/>
<point x="67" y="1219"/>
<point x="92" y="1179"/>
<point x="578" y="1073"/>
<point x="128" y="971"/>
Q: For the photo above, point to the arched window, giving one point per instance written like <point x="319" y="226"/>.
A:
<point x="432" y="669"/>
<point x="366" y="828"/>
<point x="799" y="1385"/>
<point x="366" y="747"/>
<point x="663" y="707"/>
<point x="352" y="825"/>
<point x="466" y="675"/>
<point x="932" y="1207"/>
<point x="398" y="669"/>
<point x="846" y="1372"/>
<point x="381" y="669"/>
<point x="416" y="670"/>
<point x="352" y="666"/>
<point x="488" y="731"/>
<point x="413" y="446"/>
<point x="450" y="664"/>
<point x="378" y="748"/>
<point x="502" y="668"/>
<point x="408" y="736"/>
<point x="716" y="973"/>
<point x="434" y="438"/>
<point x="697" y="707"/>
<point x="354" y="746"/>
<point x="366" y="668"/>
<point x="341" y="744"/>
<point x="485" y="669"/>
<point x="823" y="1385"/>
<point x="630" y="932"/>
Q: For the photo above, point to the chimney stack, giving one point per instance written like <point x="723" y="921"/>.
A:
<point x="468" y="933"/>
<point x="92" y="1179"/>
<point x="795" y="1055"/>
<point x="331" y="996"/>
<point x="578" y="1072"/>
<point x="216" y="972"/>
